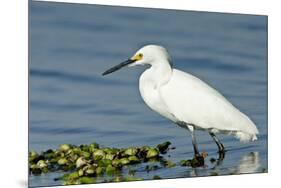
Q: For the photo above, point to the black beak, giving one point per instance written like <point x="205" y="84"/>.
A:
<point x="119" y="66"/>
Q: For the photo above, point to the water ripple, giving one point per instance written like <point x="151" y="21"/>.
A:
<point x="85" y="52"/>
<point x="63" y="107"/>
<point x="59" y="130"/>
<point x="111" y="112"/>
<point x="82" y="26"/>
<point x="71" y="77"/>
<point x="214" y="64"/>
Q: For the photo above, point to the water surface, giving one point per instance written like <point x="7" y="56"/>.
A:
<point x="70" y="102"/>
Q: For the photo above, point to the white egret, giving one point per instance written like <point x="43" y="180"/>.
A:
<point x="186" y="100"/>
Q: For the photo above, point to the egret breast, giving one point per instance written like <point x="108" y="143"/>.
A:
<point x="150" y="94"/>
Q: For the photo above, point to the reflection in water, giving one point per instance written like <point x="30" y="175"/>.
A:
<point x="249" y="163"/>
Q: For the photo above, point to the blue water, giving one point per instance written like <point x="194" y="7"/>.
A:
<point x="70" y="45"/>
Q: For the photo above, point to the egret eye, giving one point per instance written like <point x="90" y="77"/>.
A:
<point x="140" y="55"/>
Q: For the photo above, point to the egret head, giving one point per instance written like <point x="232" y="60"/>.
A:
<point x="147" y="55"/>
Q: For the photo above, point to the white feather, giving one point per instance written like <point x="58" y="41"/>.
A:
<point x="180" y="96"/>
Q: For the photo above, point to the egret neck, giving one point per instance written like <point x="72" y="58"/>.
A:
<point x="159" y="73"/>
<point x="150" y="83"/>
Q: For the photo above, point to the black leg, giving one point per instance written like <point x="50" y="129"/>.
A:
<point x="220" y="147"/>
<point x="198" y="159"/>
<point x="194" y="143"/>
<point x="219" y="144"/>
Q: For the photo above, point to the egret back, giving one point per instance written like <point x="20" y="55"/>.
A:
<point x="193" y="101"/>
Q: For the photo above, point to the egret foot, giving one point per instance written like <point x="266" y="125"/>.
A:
<point x="197" y="161"/>
<point x="220" y="146"/>
<point x="220" y="159"/>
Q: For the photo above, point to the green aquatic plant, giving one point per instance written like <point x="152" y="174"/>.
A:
<point x="152" y="152"/>
<point x="163" y="147"/>
<point x="156" y="177"/>
<point x="64" y="147"/>
<point x="131" y="151"/>
<point x="83" y="164"/>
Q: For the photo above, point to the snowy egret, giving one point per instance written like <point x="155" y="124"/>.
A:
<point x="186" y="100"/>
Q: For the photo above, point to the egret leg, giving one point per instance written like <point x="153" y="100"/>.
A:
<point x="194" y="143"/>
<point x="217" y="141"/>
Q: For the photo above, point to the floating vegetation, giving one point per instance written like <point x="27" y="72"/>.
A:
<point x="83" y="164"/>
<point x="213" y="173"/>
<point x="87" y="164"/>
<point x="156" y="177"/>
<point x="163" y="148"/>
<point x="197" y="161"/>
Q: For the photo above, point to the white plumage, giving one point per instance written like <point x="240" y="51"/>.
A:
<point x="185" y="99"/>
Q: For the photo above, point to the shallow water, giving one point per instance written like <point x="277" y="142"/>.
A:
<point x="70" y="102"/>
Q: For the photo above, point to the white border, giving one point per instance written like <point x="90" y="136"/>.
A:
<point x="234" y="6"/>
<point x="13" y="95"/>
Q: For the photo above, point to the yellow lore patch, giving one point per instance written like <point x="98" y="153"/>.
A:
<point x="137" y="57"/>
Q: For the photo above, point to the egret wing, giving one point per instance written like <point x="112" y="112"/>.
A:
<point x="193" y="101"/>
